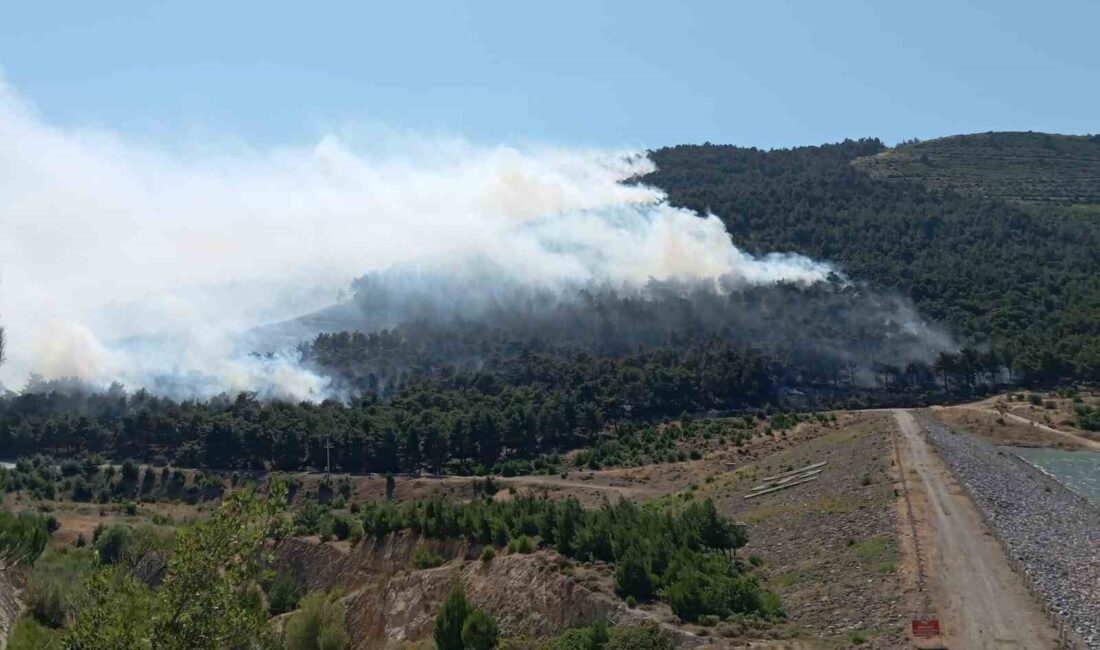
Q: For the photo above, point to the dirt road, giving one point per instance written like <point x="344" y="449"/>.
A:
<point x="623" y="491"/>
<point x="982" y="603"/>
<point x="1085" y="443"/>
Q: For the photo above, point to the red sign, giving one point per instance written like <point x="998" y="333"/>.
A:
<point x="926" y="626"/>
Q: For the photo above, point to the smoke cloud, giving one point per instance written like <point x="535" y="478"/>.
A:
<point x="122" y="260"/>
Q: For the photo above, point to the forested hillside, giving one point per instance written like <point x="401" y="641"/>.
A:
<point x="1014" y="288"/>
<point x="1025" y="278"/>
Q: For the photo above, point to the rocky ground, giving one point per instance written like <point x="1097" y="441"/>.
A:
<point x="1049" y="530"/>
<point x="830" y="545"/>
<point x="9" y="603"/>
<point x="530" y="596"/>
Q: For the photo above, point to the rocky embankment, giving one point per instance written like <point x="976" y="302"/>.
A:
<point x="9" y="604"/>
<point x="388" y="601"/>
<point x="1050" y="531"/>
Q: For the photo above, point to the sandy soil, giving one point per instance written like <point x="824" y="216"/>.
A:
<point x="1055" y="415"/>
<point x="1006" y="429"/>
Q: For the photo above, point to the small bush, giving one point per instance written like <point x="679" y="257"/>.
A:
<point x="632" y="578"/>
<point x="341" y="527"/>
<point x="479" y="631"/>
<point x="487" y="554"/>
<point x="425" y="558"/>
<point x="284" y="594"/>
<point x="521" y="544"/>
<point x="307" y="518"/>
<point x="49" y="604"/>
<point x="114" y="544"/>
<point x="357" y="533"/>
<point x="447" y="630"/>
<point x="28" y="634"/>
<point x="320" y="624"/>
<point x="645" y="636"/>
<point x="129" y="471"/>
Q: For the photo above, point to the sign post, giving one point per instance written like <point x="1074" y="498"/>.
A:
<point x="926" y="626"/>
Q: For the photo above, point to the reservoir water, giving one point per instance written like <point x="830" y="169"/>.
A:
<point x="1078" y="469"/>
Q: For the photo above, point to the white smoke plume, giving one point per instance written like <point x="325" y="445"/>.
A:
<point x="122" y="260"/>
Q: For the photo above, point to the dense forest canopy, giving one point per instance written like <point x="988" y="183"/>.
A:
<point x="1023" y="277"/>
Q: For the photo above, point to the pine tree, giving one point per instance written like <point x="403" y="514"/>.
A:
<point x="479" y="631"/>
<point x="450" y="620"/>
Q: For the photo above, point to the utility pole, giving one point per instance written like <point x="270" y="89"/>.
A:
<point x="328" y="459"/>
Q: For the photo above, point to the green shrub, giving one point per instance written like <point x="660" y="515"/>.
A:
<point x="320" y="623"/>
<point x="1088" y="418"/>
<point x="770" y="605"/>
<point x="644" y="636"/>
<point x="129" y="471"/>
<point x="425" y="558"/>
<point x="341" y="527"/>
<point x="57" y="585"/>
<point x="356" y="534"/>
<point x="632" y="578"/>
<point x="487" y="554"/>
<point x="284" y="594"/>
<point x="23" y="537"/>
<point x="479" y="631"/>
<point x="48" y="604"/>
<point x="521" y="544"/>
<point x="28" y="634"/>
<point x="115" y="544"/>
<point x="307" y="518"/>
<point x="592" y="637"/>
<point x="447" y="630"/>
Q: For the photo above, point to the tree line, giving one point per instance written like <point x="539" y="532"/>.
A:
<point x="533" y="405"/>
<point x="684" y="557"/>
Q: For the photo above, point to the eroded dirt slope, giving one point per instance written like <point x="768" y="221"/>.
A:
<point x="527" y="594"/>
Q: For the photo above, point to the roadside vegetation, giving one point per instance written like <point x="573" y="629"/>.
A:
<point x="86" y="479"/>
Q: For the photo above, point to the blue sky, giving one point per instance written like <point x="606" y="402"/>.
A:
<point x="632" y="74"/>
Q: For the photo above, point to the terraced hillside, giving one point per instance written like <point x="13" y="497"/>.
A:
<point x="1014" y="166"/>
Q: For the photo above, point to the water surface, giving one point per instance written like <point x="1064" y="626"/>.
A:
<point x="1078" y="469"/>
